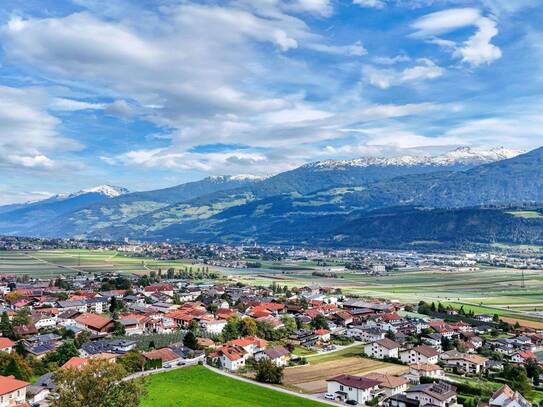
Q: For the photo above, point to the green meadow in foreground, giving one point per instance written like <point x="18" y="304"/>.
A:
<point x="198" y="386"/>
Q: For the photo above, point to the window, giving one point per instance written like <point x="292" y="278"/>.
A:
<point x="341" y="387"/>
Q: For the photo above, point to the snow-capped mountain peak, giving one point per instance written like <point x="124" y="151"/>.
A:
<point x="458" y="156"/>
<point x="107" y="190"/>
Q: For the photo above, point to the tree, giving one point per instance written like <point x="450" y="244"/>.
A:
<point x="190" y="341"/>
<point x="82" y="338"/>
<point x="11" y="297"/>
<point x="319" y="322"/>
<point x="133" y="361"/>
<point x="268" y="372"/>
<point x="289" y="322"/>
<point x="231" y="329"/>
<point x="114" y="306"/>
<point x="97" y="384"/>
<point x="248" y="327"/>
<point x="14" y="364"/>
<point x="22" y="317"/>
<point x="64" y="353"/>
<point x="517" y="379"/>
<point x="5" y="326"/>
<point x="118" y="329"/>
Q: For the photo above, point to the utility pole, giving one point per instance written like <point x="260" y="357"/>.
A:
<point x="523" y="282"/>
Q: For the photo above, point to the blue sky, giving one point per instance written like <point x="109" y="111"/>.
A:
<point x="148" y="94"/>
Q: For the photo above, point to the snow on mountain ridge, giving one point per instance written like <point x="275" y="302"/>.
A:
<point x="106" y="190"/>
<point x="239" y="177"/>
<point x="459" y="156"/>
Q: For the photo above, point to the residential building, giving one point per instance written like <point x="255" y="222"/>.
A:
<point x="382" y="348"/>
<point x="347" y="387"/>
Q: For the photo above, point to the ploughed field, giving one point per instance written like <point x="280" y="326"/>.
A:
<point x="311" y="378"/>
<point x="199" y="386"/>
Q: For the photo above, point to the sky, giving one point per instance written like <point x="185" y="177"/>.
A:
<point x="148" y="94"/>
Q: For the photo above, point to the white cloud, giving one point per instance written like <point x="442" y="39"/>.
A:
<point x="70" y="105"/>
<point x="370" y="3"/>
<point x="391" y="60"/>
<point x="477" y="49"/>
<point x="385" y="78"/>
<point x="321" y="7"/>
<point x="356" y="49"/>
<point x="28" y="131"/>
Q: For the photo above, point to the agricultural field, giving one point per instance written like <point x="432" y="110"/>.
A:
<point x="507" y="292"/>
<point x="199" y="386"/>
<point x="311" y="378"/>
<point x="51" y="263"/>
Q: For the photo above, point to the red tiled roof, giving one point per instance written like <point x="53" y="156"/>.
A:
<point x="94" y="321"/>
<point x="75" y="362"/>
<point x="248" y="340"/>
<point x="164" y="354"/>
<point x="6" y="343"/>
<point x="8" y="384"/>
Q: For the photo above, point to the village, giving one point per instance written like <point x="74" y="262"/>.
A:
<point x="311" y="340"/>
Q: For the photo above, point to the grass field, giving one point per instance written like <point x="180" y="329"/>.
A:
<point x="198" y="386"/>
<point x="50" y="263"/>
<point x="340" y="354"/>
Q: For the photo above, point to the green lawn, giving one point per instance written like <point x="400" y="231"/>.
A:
<point x="198" y="386"/>
<point x="348" y="352"/>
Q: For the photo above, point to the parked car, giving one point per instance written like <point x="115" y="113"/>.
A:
<point x="352" y="402"/>
<point x="330" y="396"/>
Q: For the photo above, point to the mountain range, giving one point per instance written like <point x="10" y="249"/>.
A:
<point x="462" y="196"/>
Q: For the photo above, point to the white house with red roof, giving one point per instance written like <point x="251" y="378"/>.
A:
<point x="6" y="345"/>
<point x="522" y="357"/>
<point x="250" y="344"/>
<point x="12" y="391"/>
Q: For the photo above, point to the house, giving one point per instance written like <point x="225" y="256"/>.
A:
<point x="506" y="397"/>
<point x="6" y="345"/>
<point x="231" y="357"/>
<point x="347" y="387"/>
<point x="116" y="346"/>
<point x="279" y="355"/>
<point x="94" y="322"/>
<point x="167" y="356"/>
<point x="522" y="357"/>
<point x="389" y="385"/>
<point x="418" y="370"/>
<point x="468" y="363"/>
<point x="435" y="394"/>
<point x="382" y="348"/>
<point x="76" y="362"/>
<point x="365" y="334"/>
<point x="250" y="344"/>
<point x="434" y="340"/>
<point x="214" y="326"/>
<point x="419" y="354"/>
<point x="323" y="334"/>
<point x="484" y="317"/>
<point x="12" y="391"/>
